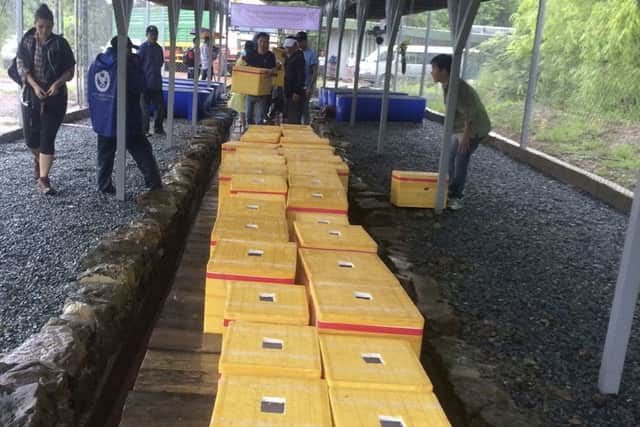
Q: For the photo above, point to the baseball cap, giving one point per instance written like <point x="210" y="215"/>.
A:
<point x="301" y="36"/>
<point x="114" y="43"/>
<point x="152" y="29"/>
<point x="289" y="42"/>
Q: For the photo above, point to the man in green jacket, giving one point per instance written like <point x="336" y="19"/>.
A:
<point x="471" y="125"/>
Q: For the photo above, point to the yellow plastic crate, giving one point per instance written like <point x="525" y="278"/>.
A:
<point x="262" y="187"/>
<point x="343" y="267"/>
<point x="372" y="364"/>
<point x="414" y="189"/>
<point x="237" y="260"/>
<point x="303" y="139"/>
<point x="263" y="302"/>
<point x="253" y="207"/>
<point x="213" y="314"/>
<point x="308" y="146"/>
<point x="294" y="127"/>
<point x="230" y="148"/>
<point x="301" y="199"/>
<point x="242" y="167"/>
<point x="265" y="129"/>
<point x="375" y="408"/>
<point x="266" y="138"/>
<point x="322" y="159"/>
<point x="251" y="228"/>
<point x="322" y="219"/>
<point x="270" y="350"/>
<point x="251" y="80"/>
<point x="379" y="311"/>
<point x="264" y="401"/>
<point x="257" y="159"/>
<point x="330" y="181"/>
<point x="301" y="166"/>
<point x="351" y="238"/>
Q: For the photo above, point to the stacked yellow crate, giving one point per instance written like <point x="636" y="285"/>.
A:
<point x="328" y="203"/>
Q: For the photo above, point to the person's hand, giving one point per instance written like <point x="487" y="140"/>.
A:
<point x="53" y="89"/>
<point x="40" y="93"/>
<point x="295" y="98"/>
<point x="463" y="145"/>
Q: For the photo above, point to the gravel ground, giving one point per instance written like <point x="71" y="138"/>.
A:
<point x="42" y="238"/>
<point x="530" y="265"/>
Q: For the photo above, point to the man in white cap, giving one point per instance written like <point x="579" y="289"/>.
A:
<point x="294" y="81"/>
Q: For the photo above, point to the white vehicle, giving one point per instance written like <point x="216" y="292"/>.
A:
<point x="414" y="58"/>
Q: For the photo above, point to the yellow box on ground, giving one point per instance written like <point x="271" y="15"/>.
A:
<point x="414" y="189"/>
<point x="323" y="219"/>
<point x="385" y="408"/>
<point x="251" y="228"/>
<point x="308" y="167"/>
<point x="238" y="260"/>
<point x="229" y="149"/>
<point x="266" y="303"/>
<point x="352" y="238"/>
<point x="262" y="187"/>
<point x="343" y="267"/>
<point x="366" y="310"/>
<point x="301" y="199"/>
<point x="267" y="138"/>
<point x="251" y="80"/>
<point x="265" y="129"/>
<point x="213" y="314"/>
<point x="253" y="207"/>
<point x="270" y="350"/>
<point x="372" y="363"/>
<point x="308" y="146"/>
<point x="243" y="167"/>
<point x="330" y="181"/>
<point x="264" y="401"/>
<point x="303" y="139"/>
<point x="291" y="126"/>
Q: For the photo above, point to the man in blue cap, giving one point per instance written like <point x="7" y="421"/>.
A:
<point x="152" y="57"/>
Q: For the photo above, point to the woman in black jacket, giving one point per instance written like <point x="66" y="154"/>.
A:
<point x="45" y="63"/>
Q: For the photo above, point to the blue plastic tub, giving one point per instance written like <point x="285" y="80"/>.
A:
<point x="402" y="108"/>
<point x="183" y="106"/>
<point x="332" y="93"/>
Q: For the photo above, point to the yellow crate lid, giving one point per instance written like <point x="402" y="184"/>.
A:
<point x="316" y="158"/>
<point x="372" y="363"/>
<point x="303" y="139"/>
<point x="414" y="176"/>
<point x="320" y="218"/>
<point x="334" y="237"/>
<point x="254" y="158"/>
<point x="264" y="129"/>
<point x="365" y="309"/>
<point x="242" y="167"/>
<point x="253" y="147"/>
<point x="262" y="302"/>
<point x="292" y="126"/>
<point x="303" y="167"/>
<point x="258" y="184"/>
<point x="263" y="401"/>
<point x="267" y="262"/>
<point x="301" y="199"/>
<point x="384" y="408"/>
<point x="307" y="146"/>
<point x="330" y="181"/>
<point x="270" y="350"/>
<point x="269" y="138"/>
<point x="343" y="267"/>
<point x="252" y="207"/>
<point x="238" y="227"/>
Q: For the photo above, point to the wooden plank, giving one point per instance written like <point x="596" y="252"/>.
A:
<point x="182" y="310"/>
<point x="178" y="372"/>
<point x="185" y="340"/>
<point x="167" y="410"/>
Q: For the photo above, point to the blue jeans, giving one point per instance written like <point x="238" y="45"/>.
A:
<point x="458" y="165"/>
<point x="256" y="106"/>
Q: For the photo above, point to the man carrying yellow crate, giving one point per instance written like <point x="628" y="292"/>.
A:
<point x="259" y="57"/>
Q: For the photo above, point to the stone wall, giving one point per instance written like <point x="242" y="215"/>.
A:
<point x="58" y="375"/>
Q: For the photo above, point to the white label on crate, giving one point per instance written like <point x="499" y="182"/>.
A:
<point x="372" y="358"/>
<point x="317" y="195"/>
<point x="363" y="295"/>
<point x="273" y="405"/>
<point x="316" y="181"/>
<point x="345" y="264"/>
<point x="335" y="233"/>
<point x="252" y="226"/>
<point x="324" y="221"/>
<point x="267" y="297"/>
<point x="272" y="343"/>
<point x="253" y="207"/>
<point x="258" y="180"/>
<point x="386" y="421"/>
<point x="255" y="252"/>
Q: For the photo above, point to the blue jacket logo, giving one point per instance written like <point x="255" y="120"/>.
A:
<point x="102" y="81"/>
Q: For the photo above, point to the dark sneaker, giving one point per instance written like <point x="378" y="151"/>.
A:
<point x="44" y="186"/>
<point x="160" y="132"/>
<point x="109" y="190"/>
<point x="454" y="204"/>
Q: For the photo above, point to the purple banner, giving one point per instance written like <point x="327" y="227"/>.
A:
<point x="282" y="17"/>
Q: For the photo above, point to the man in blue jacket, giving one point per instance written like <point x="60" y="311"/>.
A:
<point x="102" y="90"/>
<point x="152" y="57"/>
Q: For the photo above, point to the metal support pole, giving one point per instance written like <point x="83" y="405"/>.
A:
<point x="393" y="11"/>
<point x="330" y="13"/>
<point x="362" y="10"/>
<point x="174" y="18"/>
<point x="212" y="16"/>
<point x="465" y="57"/>
<point x="377" y="64"/>
<point x="76" y="48"/>
<point x="147" y="13"/>
<point x="197" y="13"/>
<point x="59" y="22"/>
<point x="342" y="9"/>
<point x="395" y="72"/>
<point x="226" y="46"/>
<point x="221" y="13"/>
<point x="84" y="19"/>
<point x="322" y="6"/>
<point x="19" y="33"/>
<point x="624" y="304"/>
<point x="533" y="75"/>
<point x="426" y="54"/>
<point x="460" y="37"/>
<point x="122" y="9"/>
